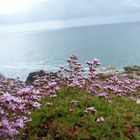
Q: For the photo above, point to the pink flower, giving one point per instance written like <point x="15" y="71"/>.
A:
<point x="61" y="67"/>
<point x="49" y="104"/>
<point x="36" y="104"/>
<point x="53" y="96"/>
<point x="102" y="95"/>
<point x="73" y="102"/>
<point x="20" y="123"/>
<point x="1" y="112"/>
<point x="90" y="109"/>
<point x="99" y="120"/>
<point x="12" y="132"/>
<point x="4" y="122"/>
<point x="71" y="110"/>
<point x="138" y="101"/>
<point x="95" y="62"/>
<point x="73" y="57"/>
<point x="75" y="83"/>
<point x="52" y="84"/>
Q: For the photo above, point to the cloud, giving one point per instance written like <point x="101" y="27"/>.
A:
<point x="43" y="10"/>
<point x="62" y="9"/>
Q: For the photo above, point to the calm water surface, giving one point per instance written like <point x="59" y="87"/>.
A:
<point x="116" y="45"/>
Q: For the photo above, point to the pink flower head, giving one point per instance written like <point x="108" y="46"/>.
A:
<point x="52" y="84"/>
<point x="73" y="102"/>
<point x="99" y="120"/>
<point x="71" y="110"/>
<point x="90" y="109"/>
<point x="73" y="57"/>
<point x="20" y="123"/>
<point x="102" y="95"/>
<point x="75" y="83"/>
<point x="95" y="62"/>
<point x="36" y="104"/>
<point x="49" y="104"/>
<point x="138" y="101"/>
<point x="1" y="112"/>
<point x="4" y="122"/>
<point x="53" y="96"/>
<point x="61" y="67"/>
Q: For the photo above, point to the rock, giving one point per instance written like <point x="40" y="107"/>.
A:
<point x="31" y="77"/>
<point x="123" y="75"/>
<point x="131" y="69"/>
<point x="111" y="71"/>
<point x="132" y="72"/>
<point x="1" y="75"/>
<point x="133" y="76"/>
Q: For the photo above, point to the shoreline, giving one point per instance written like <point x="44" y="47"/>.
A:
<point x="12" y="85"/>
<point x="132" y="72"/>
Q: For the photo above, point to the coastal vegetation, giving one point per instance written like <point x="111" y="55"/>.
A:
<point x="71" y="104"/>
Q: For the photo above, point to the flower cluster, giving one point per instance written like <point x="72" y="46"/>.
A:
<point x="90" y="109"/>
<point x="99" y="120"/>
<point x="121" y="87"/>
<point x="10" y="85"/>
<point x="75" y="76"/>
<point x="15" y="110"/>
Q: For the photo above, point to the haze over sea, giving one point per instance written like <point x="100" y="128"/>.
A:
<point x="115" y="45"/>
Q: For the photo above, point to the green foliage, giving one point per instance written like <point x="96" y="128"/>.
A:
<point x="59" y="119"/>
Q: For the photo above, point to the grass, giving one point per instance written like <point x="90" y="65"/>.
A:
<point x="62" y="120"/>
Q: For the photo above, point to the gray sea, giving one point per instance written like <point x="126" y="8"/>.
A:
<point x="115" y="45"/>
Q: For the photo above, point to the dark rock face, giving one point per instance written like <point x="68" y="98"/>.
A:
<point x="1" y="75"/>
<point x="31" y="77"/>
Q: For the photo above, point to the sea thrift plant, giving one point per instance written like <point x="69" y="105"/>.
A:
<point x="15" y="110"/>
<point x="17" y="101"/>
<point x="99" y="120"/>
<point x="90" y="109"/>
<point x="91" y="81"/>
<point x="10" y="85"/>
<point x="76" y="114"/>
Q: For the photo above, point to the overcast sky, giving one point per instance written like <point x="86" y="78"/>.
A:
<point x="69" y="11"/>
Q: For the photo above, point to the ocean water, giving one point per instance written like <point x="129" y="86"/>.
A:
<point x="115" y="45"/>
